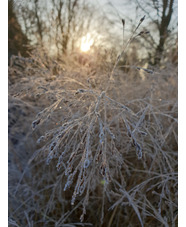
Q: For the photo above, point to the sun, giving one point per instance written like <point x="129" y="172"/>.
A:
<point x="86" y="43"/>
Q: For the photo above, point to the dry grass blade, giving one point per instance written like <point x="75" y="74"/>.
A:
<point x="133" y="204"/>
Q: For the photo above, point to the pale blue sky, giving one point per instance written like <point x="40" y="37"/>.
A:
<point x="126" y="9"/>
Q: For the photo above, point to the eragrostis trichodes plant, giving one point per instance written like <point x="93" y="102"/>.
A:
<point x="112" y="155"/>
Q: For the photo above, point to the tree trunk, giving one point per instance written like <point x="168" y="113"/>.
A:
<point x="163" y="29"/>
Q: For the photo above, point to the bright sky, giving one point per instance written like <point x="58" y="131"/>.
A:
<point x="115" y="10"/>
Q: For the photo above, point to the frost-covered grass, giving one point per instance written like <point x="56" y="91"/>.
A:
<point x="90" y="145"/>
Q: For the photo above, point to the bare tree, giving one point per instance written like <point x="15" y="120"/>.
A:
<point x="38" y="20"/>
<point x="59" y="25"/>
<point x="66" y="12"/>
<point x="160" y="12"/>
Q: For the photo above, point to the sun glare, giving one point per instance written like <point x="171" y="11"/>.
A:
<point x="86" y="43"/>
